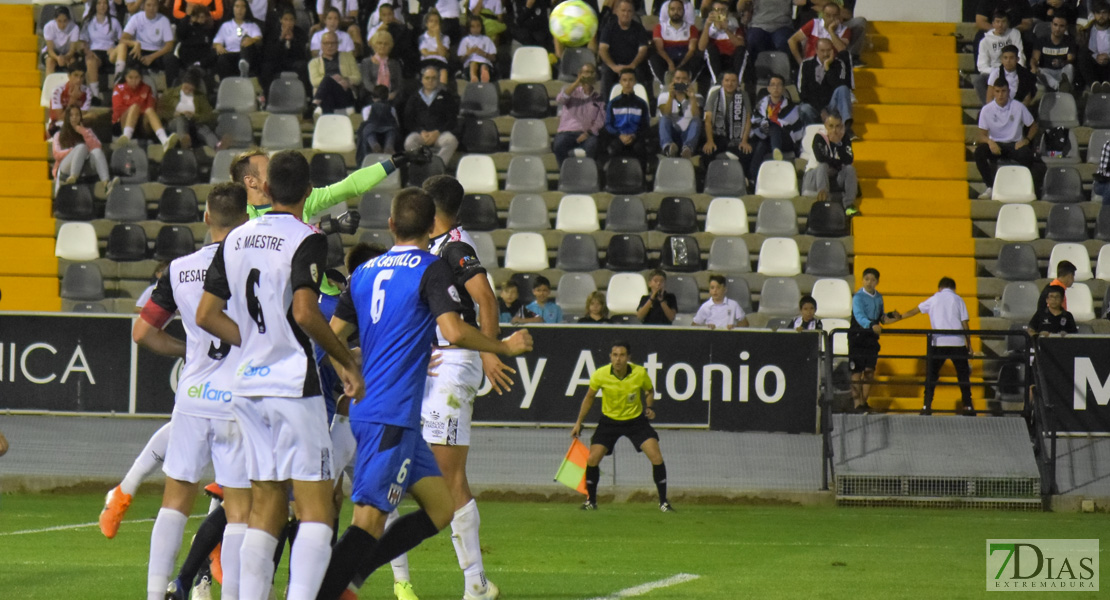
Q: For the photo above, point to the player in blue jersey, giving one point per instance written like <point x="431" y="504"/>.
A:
<point x="395" y="301"/>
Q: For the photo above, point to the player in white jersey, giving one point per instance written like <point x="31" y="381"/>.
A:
<point x="269" y="270"/>
<point x="203" y="429"/>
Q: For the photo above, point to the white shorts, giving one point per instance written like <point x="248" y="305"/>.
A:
<point x="448" y="404"/>
<point x="286" y="438"/>
<point x="195" y="442"/>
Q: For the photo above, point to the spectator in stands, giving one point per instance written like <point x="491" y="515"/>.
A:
<point x="659" y="307"/>
<point x="100" y="35"/>
<point x="582" y="116"/>
<point x="381" y="68"/>
<point x="990" y="51"/>
<point x="435" y="48"/>
<point x="196" y="34"/>
<point x="72" y="93"/>
<point x="832" y="153"/>
<point x="1052" y="317"/>
<point x="1022" y="81"/>
<point x="449" y="12"/>
<point x="511" y="308"/>
<point x="1049" y="10"/>
<point x="807" y="319"/>
<point x="334" y="76"/>
<point x="1000" y="134"/>
<point x="728" y="120"/>
<point x="946" y="310"/>
<point x="720" y="311"/>
<point x="1095" y="63"/>
<point x="132" y="102"/>
<point x="596" y="311"/>
<point x="331" y="25"/>
<point x="622" y="44"/>
<point x="116" y="8"/>
<point x="184" y="8"/>
<point x="722" y="42"/>
<point x="238" y="43"/>
<point x="675" y="46"/>
<point x="803" y="44"/>
<point x="680" y="116"/>
<point x="857" y="26"/>
<point x="492" y="13"/>
<point x="348" y="19"/>
<point x="148" y="37"/>
<point x="771" y="25"/>
<point x="72" y="145"/>
<point x="868" y="317"/>
<point x="1054" y="55"/>
<point x="63" y="42"/>
<point x="188" y="112"/>
<point x="1065" y="278"/>
<point x="402" y="48"/>
<point x="528" y="25"/>
<point x="1102" y="175"/>
<point x="477" y="52"/>
<point x="775" y="123"/>
<point x="627" y="121"/>
<point x="430" y="114"/>
<point x="1018" y="14"/>
<point x="824" y="85"/>
<point x="548" y="311"/>
<point x="378" y="132"/>
<point x="285" y="51"/>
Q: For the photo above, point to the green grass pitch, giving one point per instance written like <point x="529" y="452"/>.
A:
<point x="555" y="551"/>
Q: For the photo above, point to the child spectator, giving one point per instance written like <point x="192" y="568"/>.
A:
<point x="719" y="311"/>
<point x="100" y="35"/>
<point x="73" y="145"/>
<point x="1052" y="318"/>
<point x="132" y="100"/>
<point x="435" y="47"/>
<point x="63" y="42"/>
<point x="659" y="306"/>
<point x="492" y="13"/>
<point x="807" y="320"/>
<point x="285" y="49"/>
<point x="348" y="18"/>
<point x="477" y="52"/>
<point x="596" y="310"/>
<point x="378" y="132"/>
<point x="548" y="311"/>
<point x="73" y="92"/>
<point x="188" y="113"/>
<point x="238" y="43"/>
<point x="511" y="308"/>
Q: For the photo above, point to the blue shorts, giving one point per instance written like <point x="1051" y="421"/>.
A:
<point x="388" y="461"/>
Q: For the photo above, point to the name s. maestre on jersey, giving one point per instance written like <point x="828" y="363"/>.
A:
<point x="396" y="260"/>
<point x="260" y="242"/>
<point x="191" y="276"/>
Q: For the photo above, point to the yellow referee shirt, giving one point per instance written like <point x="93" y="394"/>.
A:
<point x="620" y="398"/>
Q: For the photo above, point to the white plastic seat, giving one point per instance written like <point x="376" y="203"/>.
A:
<point x="779" y="257"/>
<point x="638" y="90"/>
<point x="529" y="136"/>
<point x="577" y="214"/>
<point x="1102" y="268"/>
<point x="675" y="176"/>
<point x="840" y="339"/>
<point x="530" y="65"/>
<point x="1074" y="253"/>
<point x="334" y="133"/>
<point x="526" y="174"/>
<point x="526" y="253"/>
<point x="1013" y="183"/>
<point x="1081" y="304"/>
<point x="236" y="94"/>
<point x="484" y="246"/>
<point x="624" y="293"/>
<point x="1016" y="223"/>
<point x="834" y="298"/>
<point x="477" y="173"/>
<point x="50" y="84"/>
<point x="281" y="132"/>
<point x="807" y="144"/>
<point x="573" y="290"/>
<point x="726" y="216"/>
<point x="76" y="241"/>
<point x="776" y="179"/>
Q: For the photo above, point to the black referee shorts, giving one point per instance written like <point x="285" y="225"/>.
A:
<point x="637" y="430"/>
<point x="863" y="346"/>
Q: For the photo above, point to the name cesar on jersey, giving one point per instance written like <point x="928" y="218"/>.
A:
<point x="260" y="242"/>
<point x="191" y="275"/>
<point x="396" y="260"/>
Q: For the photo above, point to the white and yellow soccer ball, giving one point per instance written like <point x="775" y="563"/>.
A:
<point x="573" y="23"/>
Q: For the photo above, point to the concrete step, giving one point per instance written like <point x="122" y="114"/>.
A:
<point x="882" y="132"/>
<point x="36" y="257"/>
<point x="915" y="275"/>
<point x="884" y="95"/>
<point x="889" y="28"/>
<point x="906" y="114"/>
<point x="898" y="60"/>
<point x="30" y="293"/>
<point x="902" y="207"/>
<point x="918" y="45"/>
<point x="931" y="77"/>
<point x="910" y="189"/>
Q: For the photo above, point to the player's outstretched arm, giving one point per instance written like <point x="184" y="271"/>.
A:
<point x="212" y="318"/>
<point x="156" y="340"/>
<point x="496" y="371"/>
<point x="587" y="404"/>
<point x="459" y="333"/>
<point x="306" y="313"/>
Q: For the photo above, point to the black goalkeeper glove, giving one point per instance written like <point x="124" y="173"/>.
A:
<point x="345" y="223"/>
<point x="419" y="156"/>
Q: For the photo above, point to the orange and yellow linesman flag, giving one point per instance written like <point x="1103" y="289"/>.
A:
<point x="572" y="473"/>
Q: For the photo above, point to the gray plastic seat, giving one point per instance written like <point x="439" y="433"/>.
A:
<point x="1097" y="113"/>
<point x="1102" y="225"/>
<point x="1062" y="184"/>
<point x="237" y="129"/>
<point x="179" y="167"/>
<point x="827" y="258"/>
<point x="530" y="101"/>
<point x="739" y="291"/>
<point x="572" y="291"/>
<point x="573" y="59"/>
<point x="282" y="132"/>
<point x="481" y="100"/>
<point x="130" y="164"/>
<point x="480" y="136"/>
<point x="686" y="292"/>
<point x="1066" y="223"/>
<point x="178" y="205"/>
<point x="729" y="255"/>
<point x="624" y="175"/>
<point x="287" y="96"/>
<point x="484" y="246"/>
<point x="1017" y="262"/>
<point x="1099" y="138"/>
<point x="676" y="214"/>
<point x="579" y="176"/>
<point x="221" y="167"/>
<point x="725" y="177"/>
<point x="416" y="174"/>
<point x="126" y="242"/>
<point x="376" y="236"/>
<point x="1019" y="300"/>
<point x="777" y="218"/>
<point x="392" y="181"/>
<point x="74" y="203"/>
<point x="478" y="212"/>
<point x="771" y="63"/>
<point x="1058" y="110"/>
<point x="680" y="253"/>
<point x="173" y="241"/>
<point x="577" y="252"/>
<point x="779" y="297"/>
<point x="626" y="253"/>
<point x="528" y="212"/>
<point x="88" y="307"/>
<point x="675" y="176"/>
<point x="626" y="214"/>
<point x="84" y="282"/>
<point x="1069" y="157"/>
<point x="326" y="168"/>
<point x="373" y="210"/>
<point x="529" y="136"/>
<point x="526" y="174"/>
<point x="125" y="203"/>
<point x="236" y="94"/>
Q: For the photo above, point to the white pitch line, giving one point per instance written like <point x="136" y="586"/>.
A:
<point x="651" y="586"/>
<point x="78" y="526"/>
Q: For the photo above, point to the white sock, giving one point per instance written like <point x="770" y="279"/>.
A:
<point x="161" y="133"/>
<point x="128" y="132"/>
<point x="147" y="462"/>
<point x="165" y="540"/>
<point x="309" y="558"/>
<point x="256" y="568"/>
<point x="342" y="442"/>
<point x="94" y="88"/>
<point x="464" y="535"/>
<point x="213" y="504"/>
<point x="120" y="66"/>
<point x="229" y="559"/>
<point x="401" y="563"/>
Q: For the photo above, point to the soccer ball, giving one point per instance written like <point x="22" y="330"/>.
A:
<point x="573" y="23"/>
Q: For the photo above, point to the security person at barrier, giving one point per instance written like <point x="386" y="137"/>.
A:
<point x="946" y="310"/>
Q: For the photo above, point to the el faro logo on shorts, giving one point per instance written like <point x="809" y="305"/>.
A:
<point x="207" y="392"/>
<point x="249" y="370"/>
<point x="1029" y="565"/>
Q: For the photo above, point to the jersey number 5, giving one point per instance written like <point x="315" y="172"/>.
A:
<point x="254" y="306"/>
<point x="377" y="300"/>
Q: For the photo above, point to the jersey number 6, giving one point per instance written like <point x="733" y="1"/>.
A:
<point x="377" y="300"/>
<point x="254" y="307"/>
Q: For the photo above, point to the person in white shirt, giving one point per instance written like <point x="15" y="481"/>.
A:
<point x="679" y="116"/>
<point x="719" y="311"/>
<point x="477" y="52"/>
<point x="946" y="311"/>
<point x="347" y="21"/>
<point x="435" y="47"/>
<point x="1094" y="65"/>
<point x="63" y="43"/>
<point x="149" y="38"/>
<point x="1000" y="134"/>
<point x="100" y="34"/>
<point x="492" y="14"/>
<point x="238" y="43"/>
<point x="331" y="20"/>
<point x="449" y="12"/>
<point x="990" y="51"/>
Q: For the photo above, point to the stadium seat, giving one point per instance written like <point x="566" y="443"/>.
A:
<point x="827" y="258"/>
<point x="1058" y="110"/>
<point x="1102" y="267"/>
<point x="626" y="253"/>
<point x="237" y="129"/>
<point x="1069" y="157"/>
<point x="680" y="253"/>
<point x="776" y="179"/>
<point x="779" y="297"/>
<point x="179" y="167"/>
<point x="1013" y="183"/>
<point x="579" y="176"/>
<point x="1017" y="262"/>
<point x="481" y="100"/>
<point x="529" y="136"/>
<point x="1097" y="113"/>
<point x="287" y="96"/>
<point x="384" y="239"/>
<point x="525" y="282"/>
<point x="327" y="168"/>
<point x="840" y="338"/>
<point x="530" y="101"/>
<point x="683" y="320"/>
<point x="639" y="90"/>
<point x="172" y="242"/>
<point x="624" y="175"/>
<point x="130" y="164"/>
<point x="126" y="242"/>
<point x="1066" y="223"/>
<point x="739" y="291"/>
<point x="626" y="214"/>
<point x="416" y="174"/>
<point x="526" y="252"/>
<point x="725" y="177"/>
<point x="478" y="212"/>
<point x="1081" y="304"/>
<point x="624" y="293"/>
<point x="74" y="203"/>
<point x="477" y="174"/>
<point x="686" y="292"/>
<point x="676" y="215"/>
<point x="527" y="212"/>
<point x="391" y="181"/>
<point x="776" y="218"/>
<point x="178" y="205"/>
<point x="125" y="203"/>
<point x="1062" y="184"/>
<point x="530" y="65"/>
<point x="726" y="216"/>
<point x="76" y="241"/>
<point x="779" y="257"/>
<point x="675" y="176"/>
<point x="834" y="298"/>
<point x="573" y="59"/>
<point x="577" y="252"/>
<point x="50" y="83"/>
<point x="1102" y="223"/>
<point x="221" y="167"/>
<point x="577" y="214"/>
<point x="1016" y="223"/>
<point x="806" y="154"/>
<point x="480" y="136"/>
<point x="769" y="63"/>
<point x="1074" y="253"/>
<point x="84" y="282"/>
<point x="526" y="174"/>
<point x="729" y="255"/>
<point x="374" y="209"/>
<point x="334" y="133"/>
<point x="281" y="132"/>
<point x="236" y="94"/>
<point x="572" y="292"/>
<point x="826" y="219"/>
<point x="779" y="323"/>
<point x="88" y="307"/>
<point x="1099" y="138"/>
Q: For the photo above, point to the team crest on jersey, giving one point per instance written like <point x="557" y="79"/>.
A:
<point x="454" y="293"/>
<point x="315" y="273"/>
<point x="394" y="494"/>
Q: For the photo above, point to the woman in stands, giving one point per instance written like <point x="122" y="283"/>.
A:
<point x="348" y="18"/>
<point x="188" y="113"/>
<point x="238" y="43"/>
<point x="331" y="20"/>
<point x="382" y="68"/>
<point x="73" y="145"/>
<point x="100" y="34"/>
<point x="133" y="101"/>
<point x="435" y="47"/>
<point x="63" y="42"/>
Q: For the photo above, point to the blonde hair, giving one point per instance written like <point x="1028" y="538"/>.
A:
<point x="600" y="297"/>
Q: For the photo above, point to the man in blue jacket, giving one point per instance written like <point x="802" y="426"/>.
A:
<point x="628" y="121"/>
